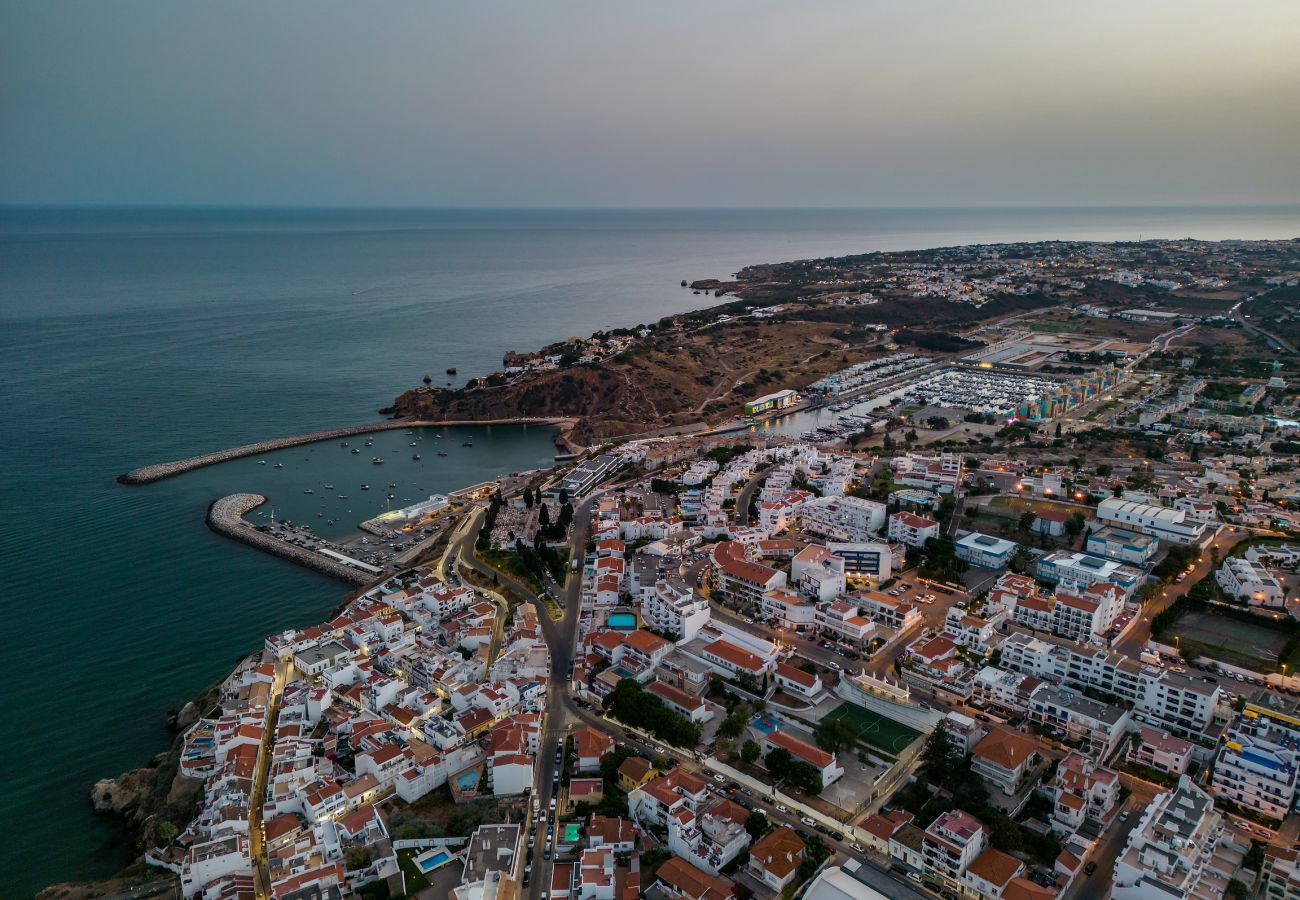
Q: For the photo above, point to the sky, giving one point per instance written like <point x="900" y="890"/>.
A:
<point x="619" y="104"/>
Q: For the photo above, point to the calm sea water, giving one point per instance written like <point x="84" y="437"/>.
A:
<point x="130" y="337"/>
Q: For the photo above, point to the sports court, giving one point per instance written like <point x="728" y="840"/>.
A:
<point x="876" y="730"/>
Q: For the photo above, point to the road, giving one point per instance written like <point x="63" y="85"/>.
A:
<point x="747" y="494"/>
<point x="1113" y="839"/>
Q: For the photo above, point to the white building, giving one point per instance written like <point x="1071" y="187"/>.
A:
<point x="985" y="550"/>
<point x="818" y="574"/>
<point x="847" y="519"/>
<point x="1173" y="701"/>
<point x="1170" y="852"/>
<point x="674" y="608"/>
<point x="1251" y="582"/>
<point x="1170" y="525"/>
<point x="1256" y="766"/>
<point x="873" y="560"/>
<point x="912" y="529"/>
<point x="1071" y="570"/>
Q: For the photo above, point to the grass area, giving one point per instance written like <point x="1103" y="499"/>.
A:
<point x="874" y="729"/>
<point x="1209" y="305"/>
<point x="415" y="880"/>
<point x="1236" y="643"/>
<point x="510" y="564"/>
<point x="1050" y="327"/>
<point x="1011" y="507"/>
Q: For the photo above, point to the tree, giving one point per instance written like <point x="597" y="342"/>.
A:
<point x="833" y="735"/>
<point x="756" y="824"/>
<point x="528" y="498"/>
<point x="544" y="516"/>
<point x="1074" y="525"/>
<point x="1019" y="561"/>
<point x="938" y="757"/>
<point x="733" y="725"/>
<point x="1027" y="520"/>
<point x="778" y="762"/>
<point x="750" y="752"/>
<point x="564" y="496"/>
<point x="806" y="777"/>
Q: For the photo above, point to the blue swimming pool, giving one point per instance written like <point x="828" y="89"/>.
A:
<point x="622" y="621"/>
<point x="765" y="723"/>
<point x="467" y="781"/>
<point x="429" y="860"/>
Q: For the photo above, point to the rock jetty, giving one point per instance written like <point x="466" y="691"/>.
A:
<point x="159" y="471"/>
<point x="226" y="517"/>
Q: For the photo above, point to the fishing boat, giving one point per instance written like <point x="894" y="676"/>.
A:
<point x="261" y="462"/>
<point x="308" y="491"/>
<point x="378" y="460"/>
<point x="415" y="456"/>
<point x="355" y="450"/>
<point x="414" y="444"/>
<point x="279" y="465"/>
<point x="365" y="487"/>
<point x="467" y="444"/>
<point x="343" y="496"/>
<point x="442" y="452"/>
<point x="343" y="443"/>
<point x="329" y="487"/>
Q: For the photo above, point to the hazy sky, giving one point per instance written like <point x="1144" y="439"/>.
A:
<point x="609" y="103"/>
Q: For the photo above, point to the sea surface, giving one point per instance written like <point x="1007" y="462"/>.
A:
<point x="129" y="337"/>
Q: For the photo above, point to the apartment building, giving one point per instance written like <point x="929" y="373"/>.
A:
<point x="848" y="519"/>
<point x="1122" y="545"/>
<point x="740" y="579"/>
<point x="674" y="608"/>
<point x="1257" y="764"/>
<point x="818" y="574"/>
<point x="1170" y="853"/>
<point x="788" y="609"/>
<point x="1160" y="750"/>
<point x="1084" y="793"/>
<point x="952" y="842"/>
<point x="1071" y="570"/>
<point x="912" y="529"/>
<point x="1101" y="725"/>
<point x="868" y="559"/>
<point x="1251" y="582"/>
<point x="844" y="620"/>
<point x="985" y="550"/>
<point x="887" y="610"/>
<point x="1178" y="703"/>
<point x="1003" y="758"/>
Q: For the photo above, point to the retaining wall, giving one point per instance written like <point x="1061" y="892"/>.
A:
<point x="226" y="517"/>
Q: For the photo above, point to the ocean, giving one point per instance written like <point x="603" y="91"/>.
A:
<point x="135" y="336"/>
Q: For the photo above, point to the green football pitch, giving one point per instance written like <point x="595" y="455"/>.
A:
<point x="874" y="729"/>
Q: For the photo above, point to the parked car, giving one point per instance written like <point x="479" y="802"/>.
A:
<point x="807" y="820"/>
<point x="857" y="848"/>
<point x="780" y="807"/>
<point x="1090" y="868"/>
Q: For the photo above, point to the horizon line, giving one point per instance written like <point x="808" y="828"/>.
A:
<point x="292" y="207"/>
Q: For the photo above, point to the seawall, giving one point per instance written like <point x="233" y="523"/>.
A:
<point x="226" y="517"/>
<point x="159" y="471"/>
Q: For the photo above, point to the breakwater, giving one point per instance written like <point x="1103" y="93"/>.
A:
<point x="159" y="471"/>
<point x="226" y="517"/>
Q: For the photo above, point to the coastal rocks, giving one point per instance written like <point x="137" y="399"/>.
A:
<point x="226" y="517"/>
<point x="184" y="718"/>
<point x="122" y="795"/>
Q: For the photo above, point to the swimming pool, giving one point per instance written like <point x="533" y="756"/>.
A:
<point x="467" y="781"/>
<point x="570" y="834"/>
<point x="622" y="621"/>
<point x="766" y="723"/>
<point x="431" y="859"/>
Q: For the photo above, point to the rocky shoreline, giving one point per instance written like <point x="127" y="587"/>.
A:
<point x="160" y="471"/>
<point x="226" y="517"/>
